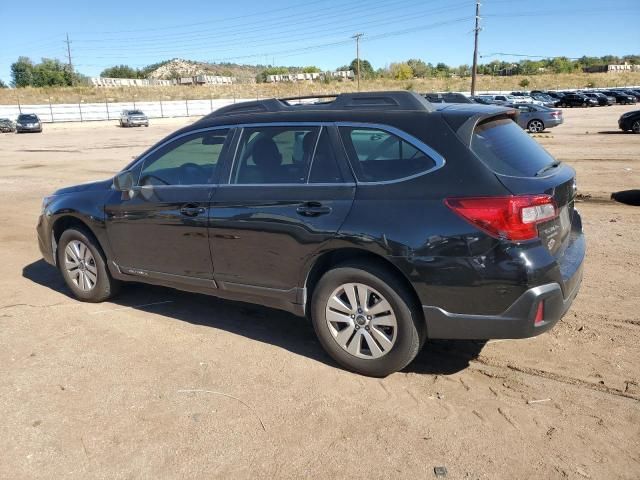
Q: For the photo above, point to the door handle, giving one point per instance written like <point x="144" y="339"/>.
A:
<point x="313" y="209"/>
<point x="191" y="210"/>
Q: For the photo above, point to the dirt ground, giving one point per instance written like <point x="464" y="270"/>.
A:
<point x="164" y="384"/>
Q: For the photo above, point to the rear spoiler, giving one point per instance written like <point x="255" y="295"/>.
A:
<point x="465" y="120"/>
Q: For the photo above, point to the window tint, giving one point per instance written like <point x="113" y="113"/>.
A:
<point x="325" y="165"/>
<point x="504" y="147"/>
<point x="274" y="155"/>
<point x="378" y="155"/>
<point x="191" y="160"/>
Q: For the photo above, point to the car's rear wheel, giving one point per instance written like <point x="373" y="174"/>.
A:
<point x="635" y="127"/>
<point x="366" y="320"/>
<point x="535" y="126"/>
<point x="83" y="266"/>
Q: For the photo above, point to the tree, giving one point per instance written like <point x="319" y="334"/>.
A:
<point x="442" y="69"/>
<point x="22" y="72"/>
<point x="420" y="69"/>
<point x="121" y="71"/>
<point x="51" y="73"/>
<point x="401" y="71"/>
<point x="366" y="70"/>
<point x="311" y="69"/>
<point x="524" y="83"/>
<point x="2" y="84"/>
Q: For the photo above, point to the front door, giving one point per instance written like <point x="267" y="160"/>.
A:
<point x="160" y="229"/>
<point x="288" y="192"/>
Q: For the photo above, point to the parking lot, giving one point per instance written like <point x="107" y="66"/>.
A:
<point x="165" y="384"/>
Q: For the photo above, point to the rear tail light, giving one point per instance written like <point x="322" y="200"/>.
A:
<point x="512" y="218"/>
<point x="539" y="318"/>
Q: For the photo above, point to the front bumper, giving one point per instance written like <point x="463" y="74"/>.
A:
<point x="23" y="128"/>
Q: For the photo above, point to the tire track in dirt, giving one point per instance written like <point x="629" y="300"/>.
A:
<point x="557" y="378"/>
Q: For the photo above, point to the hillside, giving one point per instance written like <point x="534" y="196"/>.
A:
<point x="85" y="94"/>
<point x="177" y="67"/>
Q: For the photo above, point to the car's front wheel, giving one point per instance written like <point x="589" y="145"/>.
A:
<point x="83" y="266"/>
<point x="366" y="320"/>
<point x="535" y="126"/>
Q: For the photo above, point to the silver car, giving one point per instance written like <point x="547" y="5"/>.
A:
<point x="536" y="118"/>
<point x="133" y="118"/>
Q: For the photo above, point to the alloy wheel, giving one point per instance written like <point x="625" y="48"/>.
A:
<point x="636" y="126"/>
<point x="535" y="126"/>
<point x="80" y="265"/>
<point x="361" y="321"/>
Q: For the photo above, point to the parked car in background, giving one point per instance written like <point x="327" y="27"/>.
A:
<point x="500" y="99"/>
<point x="447" y="97"/>
<point x="384" y="218"/>
<point x="28" y="122"/>
<point x="630" y="121"/>
<point x="630" y="92"/>
<point x="536" y="118"/>
<point x="133" y="118"/>
<point x="524" y="97"/>
<point x="571" y="99"/>
<point x="7" y="126"/>
<point x="557" y="95"/>
<point x="602" y="99"/>
<point x="481" y="100"/>
<point x="621" y="98"/>
<point x="546" y="100"/>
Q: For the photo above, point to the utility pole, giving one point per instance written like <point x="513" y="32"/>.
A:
<point x="357" y="37"/>
<point x="474" y="69"/>
<point x="69" y="58"/>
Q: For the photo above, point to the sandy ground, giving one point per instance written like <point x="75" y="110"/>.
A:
<point x="164" y="384"/>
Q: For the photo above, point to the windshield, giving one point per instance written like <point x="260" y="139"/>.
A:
<point x="28" y="118"/>
<point x="505" y="148"/>
<point x="135" y="112"/>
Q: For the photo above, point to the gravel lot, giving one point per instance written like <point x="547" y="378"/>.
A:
<point x="164" y="384"/>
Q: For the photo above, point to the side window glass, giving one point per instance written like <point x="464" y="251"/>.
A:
<point x="191" y="160"/>
<point x="378" y="155"/>
<point x="324" y="167"/>
<point x="274" y="155"/>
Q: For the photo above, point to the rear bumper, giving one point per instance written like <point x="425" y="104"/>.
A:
<point x="518" y="321"/>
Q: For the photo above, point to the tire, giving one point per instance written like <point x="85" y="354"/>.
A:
<point x="535" y="126"/>
<point x="584" y="104"/>
<point x="121" y="124"/>
<point x="635" y="126"/>
<point x="402" y="326"/>
<point x="78" y="247"/>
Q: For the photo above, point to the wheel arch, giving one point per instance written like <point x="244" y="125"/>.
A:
<point x="334" y="258"/>
<point x="65" y="222"/>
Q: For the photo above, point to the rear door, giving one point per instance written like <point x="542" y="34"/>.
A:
<point x="286" y="193"/>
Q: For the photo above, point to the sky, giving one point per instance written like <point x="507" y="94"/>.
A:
<point x="312" y="32"/>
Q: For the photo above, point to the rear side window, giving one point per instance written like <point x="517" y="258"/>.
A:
<point x="377" y="155"/>
<point x="271" y="155"/>
<point x="504" y="147"/>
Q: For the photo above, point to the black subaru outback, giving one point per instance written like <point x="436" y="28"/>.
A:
<point x="385" y="219"/>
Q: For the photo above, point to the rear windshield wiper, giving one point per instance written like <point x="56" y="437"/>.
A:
<point x="546" y="168"/>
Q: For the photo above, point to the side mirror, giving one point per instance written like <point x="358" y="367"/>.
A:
<point x="124" y="181"/>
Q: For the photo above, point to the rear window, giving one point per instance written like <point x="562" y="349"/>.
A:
<point x="504" y="147"/>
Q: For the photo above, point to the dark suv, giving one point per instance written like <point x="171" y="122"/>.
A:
<point x="384" y="218"/>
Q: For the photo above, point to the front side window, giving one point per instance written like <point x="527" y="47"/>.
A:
<point x="190" y="160"/>
<point x="378" y="155"/>
<point x="270" y="155"/>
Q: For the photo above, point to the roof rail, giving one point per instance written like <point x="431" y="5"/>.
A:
<point x="400" y="100"/>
